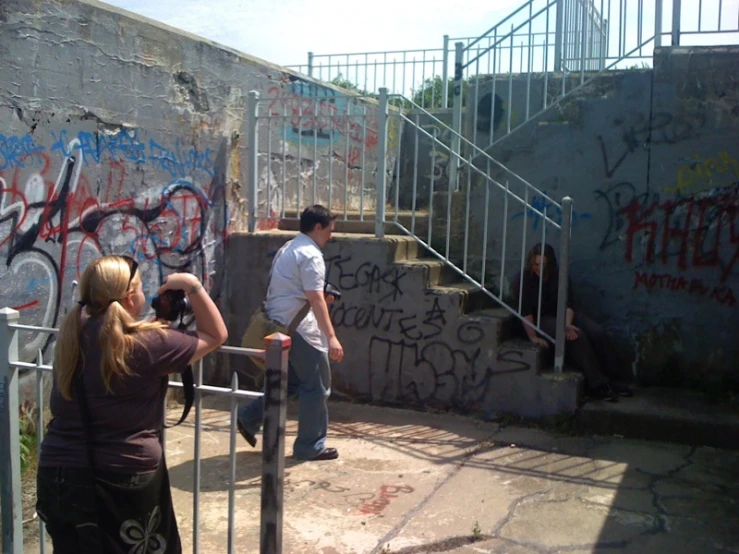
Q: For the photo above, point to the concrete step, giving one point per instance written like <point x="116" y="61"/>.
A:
<point x="475" y="298"/>
<point x="354" y="222"/>
<point x="665" y="414"/>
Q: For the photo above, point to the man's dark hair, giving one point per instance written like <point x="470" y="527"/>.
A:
<point x="313" y="215"/>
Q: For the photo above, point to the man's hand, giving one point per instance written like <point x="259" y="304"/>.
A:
<point x="572" y="332"/>
<point x="540" y="341"/>
<point x="335" y="350"/>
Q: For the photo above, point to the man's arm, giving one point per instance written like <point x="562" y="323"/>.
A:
<point x="318" y="304"/>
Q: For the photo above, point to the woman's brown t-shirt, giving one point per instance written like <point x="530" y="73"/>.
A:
<point x="126" y="422"/>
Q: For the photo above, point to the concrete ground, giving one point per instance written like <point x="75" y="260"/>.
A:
<point x="416" y="483"/>
<point x="409" y="482"/>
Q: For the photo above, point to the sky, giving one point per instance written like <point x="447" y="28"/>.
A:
<point x="284" y="31"/>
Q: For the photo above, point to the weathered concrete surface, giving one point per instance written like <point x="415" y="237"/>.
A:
<point x="422" y="483"/>
<point x="409" y="334"/>
<point x="674" y="415"/>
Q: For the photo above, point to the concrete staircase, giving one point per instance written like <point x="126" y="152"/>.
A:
<point x="414" y="333"/>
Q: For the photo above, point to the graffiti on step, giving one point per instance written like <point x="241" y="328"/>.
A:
<point x="380" y="502"/>
<point x="367" y="277"/>
<point x="93" y="193"/>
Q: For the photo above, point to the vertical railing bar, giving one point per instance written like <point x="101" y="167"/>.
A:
<point x="405" y="63"/>
<point x="198" y="404"/>
<point x="384" y="69"/>
<point x="431" y="184"/>
<point x="510" y="83"/>
<point x="346" y="163"/>
<point x="493" y="96"/>
<point x="316" y="128"/>
<point x="40" y="431"/>
<point x="621" y="28"/>
<point x="720" y="8"/>
<point x="583" y="46"/>
<point x="253" y="176"/>
<point x="449" y="188"/>
<point x="545" y="65"/>
<point x="415" y="178"/>
<point x="269" y="166"/>
<point x="332" y="119"/>
<point x="382" y="151"/>
<point x="364" y="163"/>
<point x="700" y="15"/>
<point x="399" y="138"/>
<point x="523" y="246"/>
<point x="433" y="82"/>
<point x="529" y="63"/>
<point x="366" y="71"/>
<point x="485" y="226"/>
<point x="467" y="217"/>
<point x="232" y="466"/>
<point x="300" y="160"/>
<point x="505" y="237"/>
<point x="284" y="123"/>
<point x="423" y="80"/>
<point x="541" y="265"/>
<point x="563" y="284"/>
<point x="474" y="104"/>
<point x="395" y="69"/>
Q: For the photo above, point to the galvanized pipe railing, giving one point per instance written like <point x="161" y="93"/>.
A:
<point x="275" y="397"/>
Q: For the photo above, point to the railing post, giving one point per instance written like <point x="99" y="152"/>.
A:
<point x="252" y="110"/>
<point x="310" y="64"/>
<point x="444" y="75"/>
<point x="658" y="23"/>
<point x="676" y="12"/>
<point x="562" y="292"/>
<point x="277" y="349"/>
<point x="10" y="456"/>
<point x="558" y="36"/>
<point x="381" y="164"/>
<point x="457" y="113"/>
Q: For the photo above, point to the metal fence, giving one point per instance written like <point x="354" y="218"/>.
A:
<point x="273" y="450"/>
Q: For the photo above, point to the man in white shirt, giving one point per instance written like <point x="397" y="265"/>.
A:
<point x="299" y="276"/>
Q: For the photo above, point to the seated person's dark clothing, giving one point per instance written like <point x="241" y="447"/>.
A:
<point x="591" y="353"/>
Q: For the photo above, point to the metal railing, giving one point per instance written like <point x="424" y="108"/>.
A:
<point x="273" y="450"/>
<point x="307" y="149"/>
<point x="414" y="162"/>
<point x="581" y="39"/>
<point x="541" y="38"/>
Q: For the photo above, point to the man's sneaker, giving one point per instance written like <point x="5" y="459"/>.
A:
<point x="248" y="437"/>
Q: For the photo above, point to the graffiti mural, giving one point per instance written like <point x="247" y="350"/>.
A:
<point x="86" y="194"/>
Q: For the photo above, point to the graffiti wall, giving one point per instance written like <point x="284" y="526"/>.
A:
<point x="69" y="194"/>
<point x="651" y="160"/>
<point x="119" y="135"/>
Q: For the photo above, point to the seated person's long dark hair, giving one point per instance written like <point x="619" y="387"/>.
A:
<point x="550" y="260"/>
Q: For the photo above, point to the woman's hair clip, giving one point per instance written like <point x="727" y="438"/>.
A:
<point x="82" y="303"/>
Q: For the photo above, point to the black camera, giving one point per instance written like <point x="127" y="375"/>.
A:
<point x="170" y="305"/>
<point x="330" y="290"/>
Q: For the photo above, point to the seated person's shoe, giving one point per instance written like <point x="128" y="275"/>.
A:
<point x="328" y="454"/>
<point x="248" y="437"/>
<point x="604" y="392"/>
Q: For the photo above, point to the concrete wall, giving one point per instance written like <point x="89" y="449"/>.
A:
<point x="651" y="159"/>
<point x="120" y="135"/>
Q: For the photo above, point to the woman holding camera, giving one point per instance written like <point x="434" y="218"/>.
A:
<point x="103" y="484"/>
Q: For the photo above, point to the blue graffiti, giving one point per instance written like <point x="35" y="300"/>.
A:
<point x="178" y="163"/>
<point x="17" y="151"/>
<point x="125" y="145"/>
<point x="554" y="212"/>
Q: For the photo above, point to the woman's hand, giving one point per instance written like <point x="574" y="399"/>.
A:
<point x="179" y="281"/>
<point x="572" y="332"/>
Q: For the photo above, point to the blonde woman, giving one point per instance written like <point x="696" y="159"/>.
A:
<point x="102" y="482"/>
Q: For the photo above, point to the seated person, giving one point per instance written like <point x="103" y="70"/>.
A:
<point x="588" y="349"/>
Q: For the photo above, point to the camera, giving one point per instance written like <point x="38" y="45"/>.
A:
<point x="170" y="305"/>
<point x="330" y="290"/>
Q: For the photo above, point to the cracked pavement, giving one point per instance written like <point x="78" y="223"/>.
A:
<point x="415" y="483"/>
